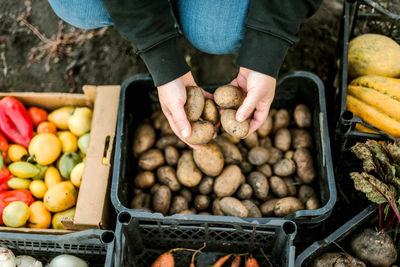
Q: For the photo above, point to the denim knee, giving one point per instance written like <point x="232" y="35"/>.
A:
<point x="87" y="14"/>
<point x="213" y="26"/>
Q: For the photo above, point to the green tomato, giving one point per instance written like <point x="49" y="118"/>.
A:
<point x="83" y="143"/>
<point x="16" y="214"/>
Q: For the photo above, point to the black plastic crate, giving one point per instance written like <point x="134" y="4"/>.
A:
<point x="359" y="17"/>
<point x="94" y="246"/>
<point x="333" y="241"/>
<point x="138" y="99"/>
<point x="138" y="243"/>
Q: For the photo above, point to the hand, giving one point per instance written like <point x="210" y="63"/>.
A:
<point x="172" y="98"/>
<point x="260" y="90"/>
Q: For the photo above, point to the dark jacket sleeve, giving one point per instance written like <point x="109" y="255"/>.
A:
<point x="271" y="28"/>
<point x="150" y="26"/>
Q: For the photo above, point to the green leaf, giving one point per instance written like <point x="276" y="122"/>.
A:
<point x="362" y="152"/>
<point x="375" y="190"/>
<point x="394" y="151"/>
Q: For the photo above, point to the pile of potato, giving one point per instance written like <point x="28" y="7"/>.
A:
<point x="266" y="174"/>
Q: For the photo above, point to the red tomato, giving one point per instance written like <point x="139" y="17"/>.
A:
<point x="37" y="115"/>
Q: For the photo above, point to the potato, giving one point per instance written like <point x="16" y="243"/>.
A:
<point x="245" y="191"/>
<point x="216" y="208"/>
<point x="289" y="154"/>
<point x="162" y="199"/>
<point x="283" y="139"/>
<point x="244" y="151"/>
<point x="202" y="133"/>
<point x="291" y="186"/>
<point x="209" y="159"/>
<point x="171" y="155"/>
<point x="210" y="112"/>
<point x="188" y="212"/>
<point x="228" y="181"/>
<point x="137" y="191"/>
<point x="301" y="138"/>
<point x="187" y="172"/>
<point x="194" y="103"/>
<point x="167" y="176"/>
<point x="306" y="192"/>
<point x="260" y="185"/>
<point x="169" y="140"/>
<point x="232" y="139"/>
<point x="373" y="247"/>
<point x="141" y="201"/>
<point x="304" y="162"/>
<point x="144" y="179"/>
<point x="302" y="116"/>
<point x="158" y="117"/>
<point x="201" y="202"/>
<point x="254" y="211"/>
<point x="206" y="185"/>
<point x="204" y="213"/>
<point x="231" y="206"/>
<point x="268" y="207"/>
<point x="265" y="142"/>
<point x="266" y="128"/>
<point x="337" y="259"/>
<point x="187" y="194"/>
<point x="144" y="138"/>
<point x="265" y="169"/>
<point x="151" y="159"/>
<point x="232" y="126"/>
<point x="312" y="203"/>
<point x="231" y="153"/>
<point x="245" y="166"/>
<point x="178" y="204"/>
<point x="281" y="119"/>
<point x="154" y="188"/>
<point x="258" y="156"/>
<point x="229" y="96"/>
<point x="166" y="128"/>
<point x="287" y="205"/>
<point x="284" y="167"/>
<point x="274" y="155"/>
<point x="251" y="140"/>
<point x="278" y="186"/>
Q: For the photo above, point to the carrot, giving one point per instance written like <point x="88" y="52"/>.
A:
<point x="236" y="261"/>
<point x="222" y="260"/>
<point x="164" y="260"/>
<point x="252" y="262"/>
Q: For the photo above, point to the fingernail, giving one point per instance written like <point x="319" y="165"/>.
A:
<point x="240" y="118"/>
<point x="185" y="133"/>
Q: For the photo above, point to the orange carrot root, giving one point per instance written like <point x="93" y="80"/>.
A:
<point x="252" y="262"/>
<point x="222" y="260"/>
<point x="236" y="261"/>
<point x="164" y="260"/>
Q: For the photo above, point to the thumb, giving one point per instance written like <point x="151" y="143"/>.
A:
<point x="181" y="121"/>
<point x="248" y="106"/>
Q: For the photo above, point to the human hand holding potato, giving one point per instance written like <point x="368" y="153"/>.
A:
<point x="260" y="89"/>
<point x="172" y="98"/>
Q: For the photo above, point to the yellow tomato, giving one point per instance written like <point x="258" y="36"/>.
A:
<point x="52" y="177"/>
<point x="77" y="173"/>
<point x="61" y="116"/>
<point x="38" y="188"/>
<point x="45" y="147"/>
<point x="69" y="142"/>
<point x="60" y="216"/>
<point x="39" y="216"/>
<point x="16" y="152"/>
<point x="15" y="214"/>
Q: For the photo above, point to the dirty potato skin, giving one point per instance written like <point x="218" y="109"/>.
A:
<point x="281" y="119"/>
<point x="216" y="208"/>
<point x="209" y="159"/>
<point x="284" y="167"/>
<point x="287" y="205"/>
<point x="232" y="126"/>
<point x="231" y="153"/>
<point x="302" y="116"/>
<point x="253" y="210"/>
<point x="274" y="155"/>
<point x="210" y="112"/>
<point x="301" y="138"/>
<point x="178" y="204"/>
<point x="144" y="138"/>
<point x="167" y="176"/>
<point x="278" y="186"/>
<point x="245" y="166"/>
<point x="202" y="133"/>
<point x="231" y="206"/>
<point x="306" y="192"/>
<point x="141" y="201"/>
<point x="251" y="140"/>
<point x="187" y="172"/>
<point x="268" y="207"/>
<point x="206" y="185"/>
<point x="245" y="191"/>
<point x="229" y="96"/>
<point x="337" y="259"/>
<point x="145" y="179"/>
<point x="151" y="159"/>
<point x="265" y="169"/>
<point x="260" y="185"/>
<point x="228" y="181"/>
<point x="291" y="186"/>
<point x="162" y="199"/>
<point x="187" y="194"/>
<point x="154" y="188"/>
<point x="258" y="156"/>
<point x="267" y="126"/>
<point x="194" y="103"/>
<point x="305" y="167"/>
<point x="169" y="140"/>
<point x="171" y="155"/>
<point x="201" y="202"/>
<point x="283" y="139"/>
<point x="312" y="203"/>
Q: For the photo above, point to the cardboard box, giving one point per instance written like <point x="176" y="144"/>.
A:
<point x="92" y="208"/>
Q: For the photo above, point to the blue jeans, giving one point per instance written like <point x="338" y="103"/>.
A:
<point x="212" y="26"/>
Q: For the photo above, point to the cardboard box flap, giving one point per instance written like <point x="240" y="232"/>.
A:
<point x="93" y="190"/>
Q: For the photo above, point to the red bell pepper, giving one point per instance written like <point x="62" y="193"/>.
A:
<point x="7" y="197"/>
<point x="5" y="176"/>
<point x="15" y="122"/>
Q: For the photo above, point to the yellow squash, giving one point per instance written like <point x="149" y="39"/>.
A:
<point x="382" y="84"/>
